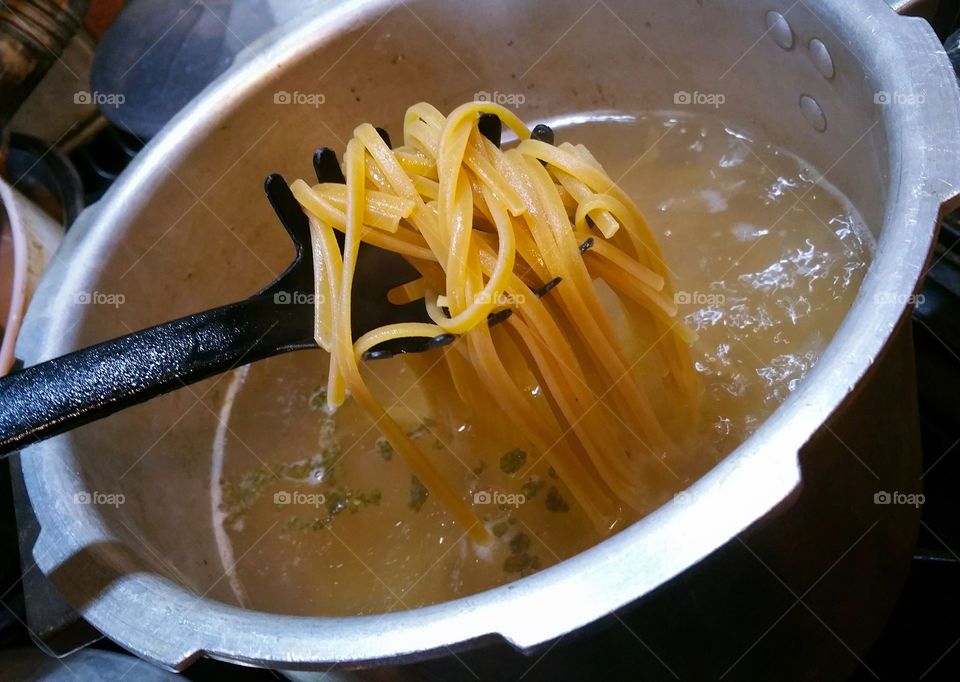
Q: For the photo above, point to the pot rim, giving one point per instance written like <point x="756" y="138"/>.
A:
<point x="923" y="141"/>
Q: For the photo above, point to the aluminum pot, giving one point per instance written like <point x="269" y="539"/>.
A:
<point x="779" y="563"/>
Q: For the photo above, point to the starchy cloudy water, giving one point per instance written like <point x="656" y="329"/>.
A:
<point x="322" y="518"/>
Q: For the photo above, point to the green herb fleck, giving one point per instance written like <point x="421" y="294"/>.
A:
<point x="337" y="501"/>
<point x="329" y="454"/>
<point x="533" y="486"/>
<point x="480" y="468"/>
<point x="318" y="399"/>
<point x="299" y="470"/>
<point x="344" y="498"/>
<point x="239" y="497"/>
<point x="384" y="449"/>
<point x="418" y="493"/>
<point x="327" y="428"/>
<point x="499" y="528"/>
<point x="519" y="543"/>
<point x="516" y="563"/>
<point x="318" y="468"/>
<point x="555" y="501"/>
<point x="523" y="563"/>
<point x="513" y="461"/>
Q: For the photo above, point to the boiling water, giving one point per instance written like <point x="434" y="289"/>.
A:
<point x="318" y="517"/>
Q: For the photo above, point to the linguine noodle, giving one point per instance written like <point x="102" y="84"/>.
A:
<point x="488" y="230"/>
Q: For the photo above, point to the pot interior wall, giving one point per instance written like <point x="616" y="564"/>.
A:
<point x="206" y="236"/>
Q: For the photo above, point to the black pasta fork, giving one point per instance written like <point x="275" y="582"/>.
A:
<point x="60" y="394"/>
<point x="66" y="392"/>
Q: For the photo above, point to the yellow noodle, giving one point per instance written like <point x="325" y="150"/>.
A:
<point x="327" y="203"/>
<point x="607" y="251"/>
<point x="403" y="330"/>
<point x="422" y="468"/>
<point x="407" y="293"/>
<point x="485" y="228"/>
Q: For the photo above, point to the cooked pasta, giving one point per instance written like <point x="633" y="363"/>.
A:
<point x="540" y="230"/>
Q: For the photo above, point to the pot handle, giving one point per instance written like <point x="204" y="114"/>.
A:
<point x="60" y="394"/>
